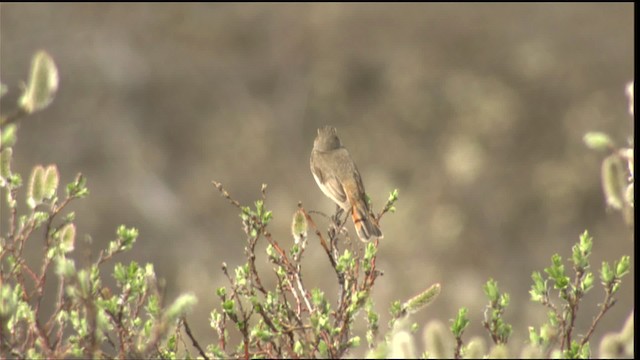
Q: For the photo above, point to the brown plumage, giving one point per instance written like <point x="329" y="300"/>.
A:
<point x="339" y="179"/>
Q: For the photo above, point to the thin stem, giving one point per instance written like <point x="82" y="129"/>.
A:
<point x="193" y="339"/>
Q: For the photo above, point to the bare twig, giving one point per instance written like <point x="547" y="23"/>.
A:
<point x="224" y="193"/>
<point x="604" y="307"/>
<point x="457" y="352"/>
<point x="193" y="339"/>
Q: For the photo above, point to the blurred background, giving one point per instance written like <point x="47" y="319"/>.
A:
<point x="475" y="112"/>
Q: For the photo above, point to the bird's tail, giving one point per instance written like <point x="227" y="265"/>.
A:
<point x="364" y="222"/>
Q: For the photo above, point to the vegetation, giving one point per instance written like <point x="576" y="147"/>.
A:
<point x="288" y="320"/>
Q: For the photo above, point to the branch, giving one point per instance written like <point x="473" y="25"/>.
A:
<point x="193" y="340"/>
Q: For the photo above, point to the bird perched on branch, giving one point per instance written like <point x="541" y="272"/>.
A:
<point x="339" y="179"/>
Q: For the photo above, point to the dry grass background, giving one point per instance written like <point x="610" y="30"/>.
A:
<point x="475" y="112"/>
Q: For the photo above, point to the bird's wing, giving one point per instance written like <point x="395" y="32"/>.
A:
<point x="336" y="190"/>
<point x="329" y="184"/>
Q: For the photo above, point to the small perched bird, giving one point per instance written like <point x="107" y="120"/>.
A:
<point x="339" y="179"/>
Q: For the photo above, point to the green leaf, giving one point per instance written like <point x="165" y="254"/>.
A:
<point x="598" y="141"/>
<point x="125" y="274"/>
<point x="556" y="273"/>
<point x="369" y="253"/>
<point x="65" y="267"/>
<point x="172" y="343"/>
<point x="606" y="274"/>
<point x="241" y="275"/>
<point x="614" y="181"/>
<point x="128" y="236"/>
<point x="354" y="342"/>
<point x="460" y="322"/>
<point x="35" y="192"/>
<point x="215" y="319"/>
<point x="217" y="352"/>
<point x="622" y="266"/>
<point x="587" y="282"/>
<point x="504" y="331"/>
<point x="8" y="136"/>
<point x="574" y="351"/>
<point x="491" y="290"/>
<point x="534" y="337"/>
<point x="317" y="298"/>
<point x="504" y="300"/>
<point x="323" y="348"/>
<point x="77" y="188"/>
<point x="67" y="238"/>
<point x="553" y="318"/>
<point x="69" y="217"/>
<point x="582" y="250"/>
<point x="421" y="300"/>
<point x="586" y="242"/>
<point x="393" y="196"/>
<point x="295" y="250"/>
<point x="261" y="333"/>
<point x="271" y="252"/>
<point x="615" y="287"/>
<point x="40" y="217"/>
<point x="180" y="306"/>
<point x="372" y="317"/>
<point x="228" y="306"/>
<point x="153" y="306"/>
<point x="221" y="291"/>
<point x="5" y="166"/>
<point x="15" y="181"/>
<point x="345" y="261"/>
<point x="266" y="217"/>
<point x="42" y="84"/>
<point x="396" y="309"/>
<point x="299" y="226"/>
<point x="51" y="179"/>
<point x="539" y="288"/>
<point x="585" y="351"/>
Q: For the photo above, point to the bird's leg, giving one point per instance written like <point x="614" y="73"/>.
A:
<point x="339" y="212"/>
<point x="337" y="224"/>
<point x="336" y="218"/>
<point x="346" y="217"/>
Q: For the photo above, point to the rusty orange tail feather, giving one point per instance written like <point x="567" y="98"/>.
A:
<point x="364" y="223"/>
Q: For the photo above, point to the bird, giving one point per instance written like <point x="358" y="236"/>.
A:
<point x="338" y="177"/>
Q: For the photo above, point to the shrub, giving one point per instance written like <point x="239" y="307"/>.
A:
<point x="286" y="320"/>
